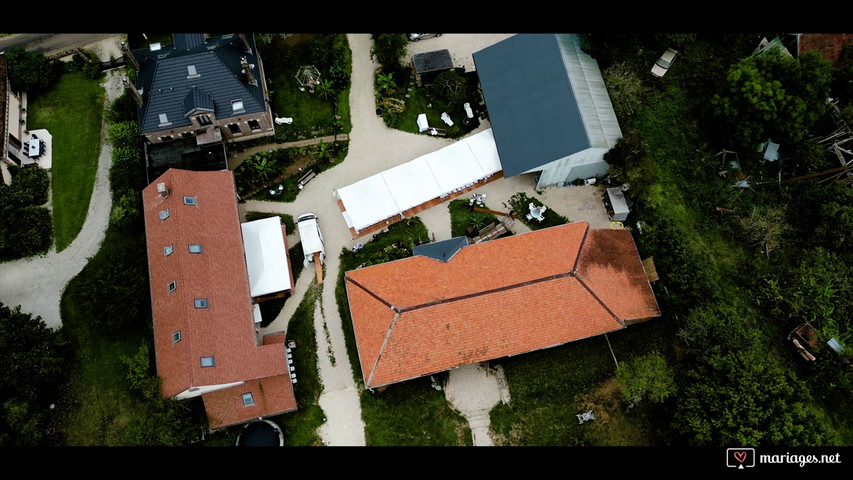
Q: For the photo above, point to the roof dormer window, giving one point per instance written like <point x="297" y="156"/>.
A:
<point x="164" y="119"/>
<point x="237" y="106"/>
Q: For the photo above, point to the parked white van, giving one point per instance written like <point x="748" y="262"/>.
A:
<point x="311" y="238"/>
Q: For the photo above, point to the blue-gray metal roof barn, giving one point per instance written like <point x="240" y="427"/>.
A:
<point x="548" y="106"/>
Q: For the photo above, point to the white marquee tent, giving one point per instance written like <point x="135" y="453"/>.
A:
<point x="434" y="175"/>
<point x="266" y="256"/>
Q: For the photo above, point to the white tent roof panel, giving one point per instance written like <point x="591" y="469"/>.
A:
<point x="485" y="151"/>
<point x="425" y="178"/>
<point x="266" y="256"/>
<point x="411" y="184"/>
<point x="368" y="201"/>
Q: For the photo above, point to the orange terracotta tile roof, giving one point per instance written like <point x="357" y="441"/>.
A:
<point x="223" y="330"/>
<point x="418" y="316"/>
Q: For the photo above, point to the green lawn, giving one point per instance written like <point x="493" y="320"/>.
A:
<point x="463" y="216"/>
<point x="71" y="111"/>
<point x="313" y="115"/>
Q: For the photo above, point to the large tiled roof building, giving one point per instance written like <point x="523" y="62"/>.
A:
<point x="205" y="336"/>
<point x="424" y="314"/>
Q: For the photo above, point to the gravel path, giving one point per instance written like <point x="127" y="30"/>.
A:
<point x="473" y="390"/>
<point x="37" y="283"/>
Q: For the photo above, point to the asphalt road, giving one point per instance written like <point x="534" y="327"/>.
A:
<point x="50" y="43"/>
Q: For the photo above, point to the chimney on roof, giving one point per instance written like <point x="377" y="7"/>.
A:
<point x="163" y="190"/>
<point x="128" y="55"/>
<point x="133" y="91"/>
<point x="247" y="69"/>
<point x="245" y="41"/>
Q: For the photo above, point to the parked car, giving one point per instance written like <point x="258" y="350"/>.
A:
<point x="418" y="36"/>
<point x="660" y="67"/>
<point x="310" y="236"/>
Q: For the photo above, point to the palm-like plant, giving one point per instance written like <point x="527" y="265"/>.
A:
<point x="385" y="83"/>
<point x="326" y="89"/>
<point x="322" y="150"/>
<point x="264" y="167"/>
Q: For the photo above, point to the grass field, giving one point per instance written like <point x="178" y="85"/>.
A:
<point x="71" y="111"/>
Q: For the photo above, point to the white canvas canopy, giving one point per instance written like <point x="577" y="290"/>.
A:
<point x="368" y="202"/>
<point x="266" y="256"/>
<point x="411" y="184"/>
<point x="434" y="175"/>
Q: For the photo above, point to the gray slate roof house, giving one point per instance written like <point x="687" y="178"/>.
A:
<point x="207" y="90"/>
<point x="548" y="106"/>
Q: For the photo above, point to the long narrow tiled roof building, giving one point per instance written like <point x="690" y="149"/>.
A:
<point x="421" y="315"/>
<point x="205" y="337"/>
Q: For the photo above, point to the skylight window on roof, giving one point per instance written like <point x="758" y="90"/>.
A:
<point x="189" y="200"/>
<point x="201" y="303"/>
<point x="176" y="337"/>
<point x="237" y="106"/>
<point x="164" y="119"/>
<point x="164" y="214"/>
<point x="195" y="248"/>
<point x="167" y="250"/>
<point x="192" y="72"/>
<point x="173" y="285"/>
<point x="208" y="362"/>
<point x="248" y="399"/>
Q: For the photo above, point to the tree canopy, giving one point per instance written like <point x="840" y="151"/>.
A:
<point x="33" y="358"/>
<point x="772" y="96"/>
<point x="30" y="71"/>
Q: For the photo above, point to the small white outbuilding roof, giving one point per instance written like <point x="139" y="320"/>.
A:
<point x="266" y="256"/>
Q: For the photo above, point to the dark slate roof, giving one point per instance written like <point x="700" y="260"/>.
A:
<point x="443" y="250"/>
<point x="432" y="61"/>
<point x="533" y="111"/>
<point x="168" y="87"/>
<point x="197" y="99"/>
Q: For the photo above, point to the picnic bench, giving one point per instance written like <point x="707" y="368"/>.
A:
<point x="306" y="178"/>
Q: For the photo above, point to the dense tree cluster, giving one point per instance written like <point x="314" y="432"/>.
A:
<point x="740" y="380"/>
<point x="27" y="228"/>
<point x="33" y="358"/>
<point x="773" y="96"/>
<point x="31" y="71"/>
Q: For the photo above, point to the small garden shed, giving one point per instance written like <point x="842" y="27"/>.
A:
<point x="427" y="65"/>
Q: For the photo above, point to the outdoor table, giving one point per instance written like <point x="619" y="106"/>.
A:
<point x="34" y="148"/>
<point x="537" y="212"/>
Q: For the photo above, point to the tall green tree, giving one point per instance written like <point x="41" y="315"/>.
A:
<point x="34" y="359"/>
<point x="388" y="49"/>
<point x="30" y="71"/>
<point x="745" y="398"/>
<point x="647" y="376"/>
<point x="772" y="96"/>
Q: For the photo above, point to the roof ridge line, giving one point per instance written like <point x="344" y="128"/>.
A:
<point x="485" y="292"/>
<point x="397" y="314"/>
<point x="369" y="292"/>
<point x="600" y="302"/>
